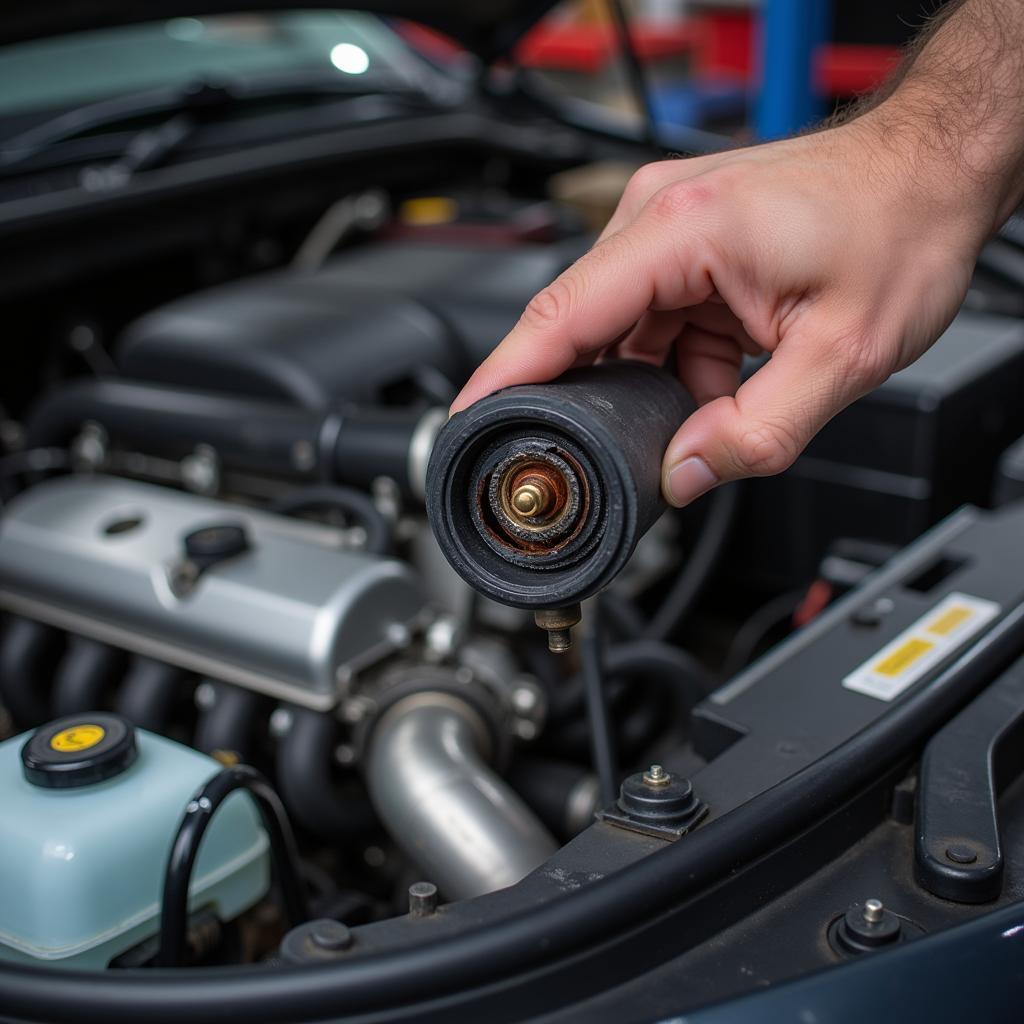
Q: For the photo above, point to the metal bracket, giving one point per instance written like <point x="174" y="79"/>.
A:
<point x="966" y="765"/>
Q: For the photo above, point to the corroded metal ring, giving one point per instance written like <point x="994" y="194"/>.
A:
<point x="536" y="497"/>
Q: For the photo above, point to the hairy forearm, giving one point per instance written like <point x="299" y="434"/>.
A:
<point x="953" y="117"/>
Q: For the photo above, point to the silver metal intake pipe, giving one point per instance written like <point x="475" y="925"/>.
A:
<point x="429" y="780"/>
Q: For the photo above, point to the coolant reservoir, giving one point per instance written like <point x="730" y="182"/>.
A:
<point x="89" y="807"/>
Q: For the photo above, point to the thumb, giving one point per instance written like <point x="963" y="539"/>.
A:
<point x="768" y="423"/>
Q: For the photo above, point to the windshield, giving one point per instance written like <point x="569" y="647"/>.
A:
<point x="67" y="71"/>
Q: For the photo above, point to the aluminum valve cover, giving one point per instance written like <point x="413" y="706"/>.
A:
<point x="288" y="616"/>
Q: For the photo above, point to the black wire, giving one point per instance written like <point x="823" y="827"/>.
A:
<point x="622" y="615"/>
<point x="359" y="506"/>
<point x="719" y="519"/>
<point x="635" y="70"/>
<point x="662" y="683"/>
<point x="648" y="659"/>
<point x="189" y="837"/>
<point x="602" y="744"/>
<point x="750" y="635"/>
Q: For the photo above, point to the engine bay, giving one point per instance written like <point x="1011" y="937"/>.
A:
<point x="220" y="587"/>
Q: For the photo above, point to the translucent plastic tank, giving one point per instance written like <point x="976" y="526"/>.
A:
<point x="82" y="861"/>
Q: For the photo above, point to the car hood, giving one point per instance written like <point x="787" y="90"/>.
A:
<point x="486" y="27"/>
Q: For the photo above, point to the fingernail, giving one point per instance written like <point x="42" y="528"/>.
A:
<point x="689" y="480"/>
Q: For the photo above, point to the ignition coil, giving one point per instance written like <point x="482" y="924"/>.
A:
<point x="539" y="493"/>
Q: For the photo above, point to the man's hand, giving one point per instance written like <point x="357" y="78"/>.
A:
<point x="842" y="255"/>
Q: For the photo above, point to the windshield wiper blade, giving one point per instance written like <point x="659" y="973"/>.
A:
<point x="147" y="148"/>
<point x="21" y="152"/>
<point x="202" y="96"/>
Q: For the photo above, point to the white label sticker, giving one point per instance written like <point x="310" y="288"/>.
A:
<point x="937" y="634"/>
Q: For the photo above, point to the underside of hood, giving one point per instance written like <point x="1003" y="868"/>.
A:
<point x="489" y="28"/>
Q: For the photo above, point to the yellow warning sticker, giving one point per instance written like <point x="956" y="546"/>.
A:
<point x="78" y="737"/>
<point x="903" y="657"/>
<point x="940" y="632"/>
<point x="949" y="620"/>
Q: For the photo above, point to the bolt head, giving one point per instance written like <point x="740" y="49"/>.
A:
<point x="344" y="754"/>
<point x="874" y="911"/>
<point x="656" y="776"/>
<point x="398" y="634"/>
<point x="961" y="853"/>
<point x="525" y="729"/>
<point x="441" y="636"/>
<point x="330" y="936"/>
<point x="354" y="711"/>
<point x="205" y="696"/>
<point x="280" y="722"/>
<point x="422" y="899"/>
<point x="524" y="699"/>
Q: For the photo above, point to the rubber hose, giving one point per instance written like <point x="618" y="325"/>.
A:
<point x="359" y="506"/>
<point x="719" y="519"/>
<point x="230" y="722"/>
<point x="148" y="693"/>
<point x="29" y="654"/>
<point x="304" y="779"/>
<point x="86" y="675"/>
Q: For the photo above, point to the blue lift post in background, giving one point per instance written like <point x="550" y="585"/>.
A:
<point x="792" y="31"/>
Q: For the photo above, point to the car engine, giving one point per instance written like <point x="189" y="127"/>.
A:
<point x="257" y="722"/>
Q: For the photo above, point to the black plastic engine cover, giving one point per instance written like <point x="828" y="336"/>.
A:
<point x="361" y="329"/>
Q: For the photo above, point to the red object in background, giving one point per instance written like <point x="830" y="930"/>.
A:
<point x="434" y="45"/>
<point x="726" y="43"/>
<point x="722" y="44"/>
<point x="589" y="47"/>
<point x="813" y="603"/>
<point x="845" y="69"/>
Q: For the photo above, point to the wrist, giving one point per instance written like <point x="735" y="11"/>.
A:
<point x="961" y="185"/>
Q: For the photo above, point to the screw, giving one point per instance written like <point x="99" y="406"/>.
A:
<point x="656" y="776"/>
<point x="961" y="853"/>
<point x="205" y="696"/>
<point x="200" y="471"/>
<point x="330" y="936"/>
<point x="280" y="722"/>
<point x="525" y="729"/>
<point x="524" y="699"/>
<point x="422" y="899"/>
<point x="398" y="634"/>
<point x="442" y="636"/>
<point x="355" y="709"/>
<point x="90" y="447"/>
<point x="874" y="911"/>
<point x="873" y="613"/>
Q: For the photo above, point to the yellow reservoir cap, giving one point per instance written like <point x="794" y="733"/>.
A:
<point x="78" y="737"/>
